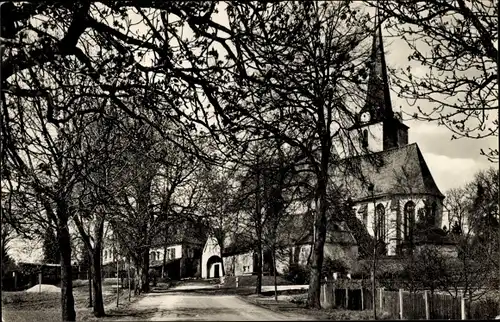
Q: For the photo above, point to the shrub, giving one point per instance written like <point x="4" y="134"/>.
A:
<point x="297" y="274"/>
<point x="484" y="309"/>
<point x="331" y="266"/>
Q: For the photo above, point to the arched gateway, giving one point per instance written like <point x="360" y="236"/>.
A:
<point x="211" y="262"/>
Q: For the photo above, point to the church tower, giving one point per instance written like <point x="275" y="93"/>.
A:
<point x="377" y="127"/>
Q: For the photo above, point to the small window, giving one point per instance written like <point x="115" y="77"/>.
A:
<point x="364" y="139"/>
<point x="105" y="254"/>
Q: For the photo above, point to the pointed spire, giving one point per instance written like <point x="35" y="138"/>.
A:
<point x="378" y="100"/>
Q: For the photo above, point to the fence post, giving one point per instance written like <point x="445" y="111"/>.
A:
<point x="237" y="282"/>
<point x="322" y="294"/>
<point x="40" y="282"/>
<point x="426" y="300"/>
<point x="381" y="292"/>
<point x="362" y="298"/>
<point x="327" y="294"/>
<point x="401" y="304"/>
<point x="462" y="308"/>
<point x="334" y="299"/>
<point x="346" y="297"/>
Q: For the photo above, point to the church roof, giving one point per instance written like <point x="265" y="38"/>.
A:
<point x="397" y="171"/>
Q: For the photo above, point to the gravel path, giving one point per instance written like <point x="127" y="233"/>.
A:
<point x="174" y="306"/>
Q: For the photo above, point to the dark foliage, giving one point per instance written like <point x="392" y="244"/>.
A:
<point x="51" y="253"/>
<point x="297" y="274"/>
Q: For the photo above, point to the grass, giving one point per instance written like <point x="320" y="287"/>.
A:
<point x="299" y="308"/>
<point x="45" y="307"/>
<point x="251" y="280"/>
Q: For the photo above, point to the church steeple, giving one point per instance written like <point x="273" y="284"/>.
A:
<point x="377" y="127"/>
<point x="378" y="98"/>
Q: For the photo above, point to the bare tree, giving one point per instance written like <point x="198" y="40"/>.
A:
<point x="457" y="205"/>
<point x="455" y="42"/>
<point x="217" y="205"/>
<point x="294" y="88"/>
<point x="45" y="164"/>
<point x="95" y="194"/>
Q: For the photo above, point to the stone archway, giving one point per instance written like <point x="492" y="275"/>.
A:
<point x="214" y="267"/>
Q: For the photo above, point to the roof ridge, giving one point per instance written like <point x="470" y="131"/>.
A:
<point x="372" y="154"/>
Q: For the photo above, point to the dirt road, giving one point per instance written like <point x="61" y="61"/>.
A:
<point x="176" y="305"/>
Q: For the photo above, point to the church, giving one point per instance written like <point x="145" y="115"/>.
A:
<point x="389" y="184"/>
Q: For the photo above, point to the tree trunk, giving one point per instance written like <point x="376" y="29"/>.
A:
<point x="164" y="263"/>
<point x="275" y="279"/>
<point x="67" y="299"/>
<point x="374" y="289"/>
<point x="313" y="300"/>
<point x="258" y="226"/>
<point x="145" y="271"/>
<point x="137" y="277"/>
<point x="223" y="271"/>
<point x="89" y="276"/>
<point x="98" y="302"/>
<point x="258" y="269"/>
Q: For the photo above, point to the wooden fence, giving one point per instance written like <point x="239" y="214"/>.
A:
<point x="402" y="304"/>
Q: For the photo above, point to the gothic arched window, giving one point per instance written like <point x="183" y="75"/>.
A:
<point x="153" y="256"/>
<point x="105" y="254"/>
<point x="409" y="220"/>
<point x="380" y="221"/>
<point x="433" y="216"/>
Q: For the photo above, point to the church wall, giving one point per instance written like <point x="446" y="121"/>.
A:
<point x="394" y="217"/>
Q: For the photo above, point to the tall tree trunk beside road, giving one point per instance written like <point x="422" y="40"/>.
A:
<point x="67" y="300"/>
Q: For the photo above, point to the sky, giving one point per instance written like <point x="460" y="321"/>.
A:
<point x="452" y="163"/>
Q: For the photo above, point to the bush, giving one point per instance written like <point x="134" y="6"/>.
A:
<point x="485" y="309"/>
<point x="340" y="315"/>
<point x="164" y="280"/>
<point x="331" y="266"/>
<point x="297" y="274"/>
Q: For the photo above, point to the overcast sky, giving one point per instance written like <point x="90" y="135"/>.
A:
<point x="452" y="162"/>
